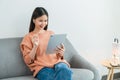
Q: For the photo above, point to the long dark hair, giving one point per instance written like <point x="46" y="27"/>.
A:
<point x="38" y="12"/>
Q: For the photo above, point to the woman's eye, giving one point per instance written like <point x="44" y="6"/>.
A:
<point x="40" y="20"/>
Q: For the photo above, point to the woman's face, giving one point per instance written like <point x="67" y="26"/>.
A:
<point x="41" y="22"/>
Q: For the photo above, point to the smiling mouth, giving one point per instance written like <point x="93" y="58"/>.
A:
<point x="41" y="26"/>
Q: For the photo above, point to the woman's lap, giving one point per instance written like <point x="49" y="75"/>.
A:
<point x="60" y="71"/>
<point x="45" y="74"/>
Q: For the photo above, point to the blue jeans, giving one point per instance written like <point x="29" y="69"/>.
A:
<point x="61" y="71"/>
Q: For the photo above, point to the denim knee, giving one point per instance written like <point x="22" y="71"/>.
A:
<point x="63" y="72"/>
<point x="45" y="74"/>
<point x="62" y="66"/>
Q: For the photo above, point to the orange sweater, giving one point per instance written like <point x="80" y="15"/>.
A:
<point x="41" y="58"/>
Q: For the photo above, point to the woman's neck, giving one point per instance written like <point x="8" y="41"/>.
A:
<point x="39" y="31"/>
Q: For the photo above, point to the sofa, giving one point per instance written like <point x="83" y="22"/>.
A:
<point x="12" y="66"/>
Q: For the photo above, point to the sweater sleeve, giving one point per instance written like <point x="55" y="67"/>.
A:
<point x="26" y="47"/>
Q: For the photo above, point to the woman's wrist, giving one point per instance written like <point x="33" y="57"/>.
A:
<point x="34" y="47"/>
<point x="59" y="55"/>
<point x="33" y="52"/>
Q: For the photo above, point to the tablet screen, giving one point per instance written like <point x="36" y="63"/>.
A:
<point x="55" y="40"/>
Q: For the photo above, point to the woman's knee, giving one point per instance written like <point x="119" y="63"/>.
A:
<point x="62" y="66"/>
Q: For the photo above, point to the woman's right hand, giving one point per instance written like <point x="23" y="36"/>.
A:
<point x="35" y="40"/>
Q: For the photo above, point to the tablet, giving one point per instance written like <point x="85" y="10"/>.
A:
<point x="55" y="40"/>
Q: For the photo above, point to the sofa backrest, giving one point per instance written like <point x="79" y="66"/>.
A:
<point x="11" y="62"/>
<point x="69" y="51"/>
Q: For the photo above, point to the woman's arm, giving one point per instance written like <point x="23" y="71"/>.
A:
<point x="28" y="50"/>
<point x="33" y="52"/>
<point x="35" y="41"/>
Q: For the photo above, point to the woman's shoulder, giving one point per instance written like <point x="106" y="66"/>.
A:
<point x="50" y="31"/>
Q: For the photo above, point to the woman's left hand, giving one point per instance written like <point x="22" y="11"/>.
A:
<point x="60" y="51"/>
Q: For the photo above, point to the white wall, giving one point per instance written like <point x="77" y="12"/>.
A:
<point x="91" y="25"/>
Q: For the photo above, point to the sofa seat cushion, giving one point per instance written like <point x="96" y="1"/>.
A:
<point x="21" y="78"/>
<point x="78" y="74"/>
<point x="82" y="74"/>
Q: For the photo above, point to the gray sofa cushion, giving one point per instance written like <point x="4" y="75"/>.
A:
<point x="21" y="78"/>
<point x="84" y="75"/>
<point x="11" y="62"/>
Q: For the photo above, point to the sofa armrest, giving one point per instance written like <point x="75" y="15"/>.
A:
<point x="78" y="61"/>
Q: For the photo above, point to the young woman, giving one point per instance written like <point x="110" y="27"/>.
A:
<point x="33" y="46"/>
